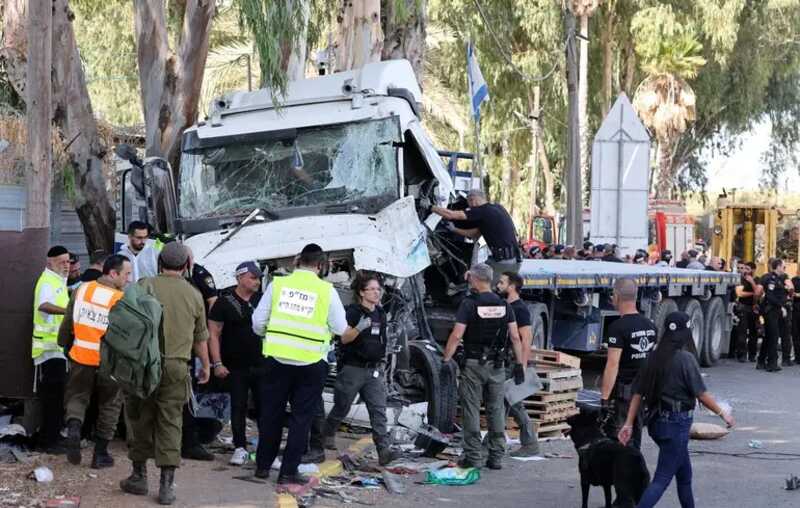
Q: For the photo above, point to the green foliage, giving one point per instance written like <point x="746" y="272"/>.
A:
<point x="665" y="44"/>
<point x="274" y="25"/>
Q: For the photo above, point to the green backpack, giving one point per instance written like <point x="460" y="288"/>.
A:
<point x="129" y="352"/>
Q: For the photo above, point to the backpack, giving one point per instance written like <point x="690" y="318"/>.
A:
<point x="129" y="352"/>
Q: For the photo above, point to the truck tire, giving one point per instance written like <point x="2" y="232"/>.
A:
<point x="695" y="311"/>
<point x="440" y="393"/>
<point x="662" y="310"/>
<point x="538" y="324"/>
<point x="714" y="311"/>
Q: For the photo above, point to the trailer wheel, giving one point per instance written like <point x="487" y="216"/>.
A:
<point x="538" y="328"/>
<point x="695" y="311"/>
<point x="715" y="331"/>
<point x="440" y="393"/>
<point x="662" y="310"/>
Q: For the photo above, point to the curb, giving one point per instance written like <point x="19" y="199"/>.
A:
<point x="327" y="468"/>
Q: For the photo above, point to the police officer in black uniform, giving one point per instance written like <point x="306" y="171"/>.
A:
<point x="747" y="293"/>
<point x="191" y="448"/>
<point x="796" y="318"/>
<point x="361" y="370"/>
<point x="631" y="339"/>
<point x="775" y="295"/>
<point x="489" y="220"/>
<point x="485" y="322"/>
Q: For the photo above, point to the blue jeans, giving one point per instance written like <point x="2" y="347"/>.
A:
<point x="670" y="431"/>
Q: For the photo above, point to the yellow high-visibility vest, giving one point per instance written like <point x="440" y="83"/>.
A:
<point x="297" y="329"/>
<point x="45" y="330"/>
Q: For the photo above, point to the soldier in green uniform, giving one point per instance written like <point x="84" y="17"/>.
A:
<point x="156" y="420"/>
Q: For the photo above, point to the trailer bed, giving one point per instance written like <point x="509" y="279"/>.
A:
<point x="565" y="274"/>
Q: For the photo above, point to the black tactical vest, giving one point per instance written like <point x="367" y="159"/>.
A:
<point x="487" y="330"/>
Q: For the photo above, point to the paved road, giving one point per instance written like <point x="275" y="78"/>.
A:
<point x="766" y="407"/>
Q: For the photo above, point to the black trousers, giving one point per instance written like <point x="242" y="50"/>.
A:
<point x="50" y="384"/>
<point x="318" y="421"/>
<point x="796" y="330"/>
<point x="244" y="382"/>
<point x="772" y="332"/>
<point x="746" y="333"/>
<point x="301" y="386"/>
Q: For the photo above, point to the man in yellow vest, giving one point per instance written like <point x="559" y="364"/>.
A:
<point x="82" y="331"/>
<point x="297" y="316"/>
<point x="50" y="366"/>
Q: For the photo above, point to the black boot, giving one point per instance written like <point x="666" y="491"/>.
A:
<point x="74" y="441"/>
<point x="313" y="456"/>
<point x="136" y="483"/>
<point x="197" y="452"/>
<point x="387" y="455"/>
<point x="101" y="457"/>
<point x="166" y="488"/>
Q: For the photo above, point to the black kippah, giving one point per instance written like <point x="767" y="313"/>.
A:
<point x="57" y="250"/>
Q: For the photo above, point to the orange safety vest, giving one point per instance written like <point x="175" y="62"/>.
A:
<point x="90" y="320"/>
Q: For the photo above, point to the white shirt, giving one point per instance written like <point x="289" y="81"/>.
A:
<point x="47" y="294"/>
<point x="337" y="319"/>
<point x="126" y="251"/>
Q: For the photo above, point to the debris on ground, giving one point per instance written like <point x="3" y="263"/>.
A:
<point x="394" y="483"/>
<point x="42" y="474"/>
<point x="755" y="443"/>
<point x="707" y="431"/>
<point x="792" y="483"/>
<point x="63" y="502"/>
<point x="453" y="476"/>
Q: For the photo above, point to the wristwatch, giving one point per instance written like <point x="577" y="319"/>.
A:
<point x="216" y="364"/>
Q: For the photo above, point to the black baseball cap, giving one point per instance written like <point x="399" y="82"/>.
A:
<point x="249" y="267"/>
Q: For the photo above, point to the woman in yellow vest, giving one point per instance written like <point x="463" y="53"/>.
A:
<point x="297" y="315"/>
<point x="82" y="330"/>
<point x="50" y="366"/>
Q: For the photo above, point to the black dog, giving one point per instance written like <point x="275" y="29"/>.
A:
<point x="606" y="462"/>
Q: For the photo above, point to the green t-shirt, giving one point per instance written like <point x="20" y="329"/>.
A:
<point x="184" y="314"/>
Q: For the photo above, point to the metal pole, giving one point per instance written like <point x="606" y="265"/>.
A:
<point x="574" y="208"/>
<point x="477" y="166"/>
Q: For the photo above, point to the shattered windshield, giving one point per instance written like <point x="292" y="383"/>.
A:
<point x="322" y="166"/>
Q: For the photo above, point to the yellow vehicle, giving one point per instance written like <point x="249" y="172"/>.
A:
<point x="756" y="233"/>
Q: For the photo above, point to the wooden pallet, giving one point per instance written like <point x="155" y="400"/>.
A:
<point x="569" y="384"/>
<point x="555" y="358"/>
<point x="550" y="430"/>
<point x="544" y="398"/>
<point x="555" y="416"/>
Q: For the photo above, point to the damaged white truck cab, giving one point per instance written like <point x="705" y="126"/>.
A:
<point x="342" y="162"/>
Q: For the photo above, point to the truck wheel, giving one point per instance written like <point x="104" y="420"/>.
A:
<point x="695" y="311"/>
<point x="715" y="331"/>
<point x="662" y="310"/>
<point x="440" y="393"/>
<point x="538" y="319"/>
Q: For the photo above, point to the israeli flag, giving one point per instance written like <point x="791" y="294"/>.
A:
<point x="478" y="89"/>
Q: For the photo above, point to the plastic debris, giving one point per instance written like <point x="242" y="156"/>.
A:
<point x="42" y="474"/>
<point x="453" y="476"/>
<point x="367" y="482"/>
<point x="755" y="443"/>
<point x="394" y="483"/>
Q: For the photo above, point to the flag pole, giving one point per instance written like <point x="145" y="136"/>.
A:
<point x="477" y="166"/>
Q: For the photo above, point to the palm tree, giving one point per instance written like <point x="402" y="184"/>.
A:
<point x="665" y="101"/>
<point x="583" y="10"/>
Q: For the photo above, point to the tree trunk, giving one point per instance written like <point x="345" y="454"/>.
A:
<point x="295" y="51"/>
<point x="629" y="76"/>
<point x="39" y="102"/>
<point x="607" y="43"/>
<point x="77" y="126"/>
<point x="359" y="38"/>
<point x="549" y="182"/>
<point x="170" y="82"/>
<point x="665" y="174"/>
<point x="405" y="35"/>
<point x="583" y="102"/>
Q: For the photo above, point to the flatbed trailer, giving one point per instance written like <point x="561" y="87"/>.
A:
<point x="570" y="302"/>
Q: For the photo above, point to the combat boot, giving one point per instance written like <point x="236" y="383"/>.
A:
<point x="386" y="456"/>
<point x="74" y="441"/>
<point x="166" y="488"/>
<point x="136" y="483"/>
<point x="101" y="457"/>
<point x="313" y="456"/>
